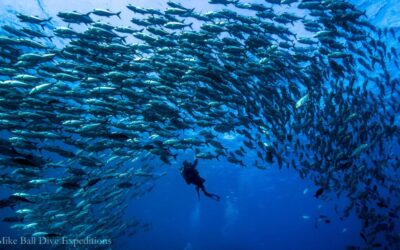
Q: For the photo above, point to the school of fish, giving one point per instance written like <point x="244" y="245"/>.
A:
<point x="82" y="121"/>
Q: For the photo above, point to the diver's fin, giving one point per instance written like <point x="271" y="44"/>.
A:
<point x="215" y="197"/>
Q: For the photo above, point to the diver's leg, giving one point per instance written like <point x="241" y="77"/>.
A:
<point x="212" y="196"/>
<point x="204" y="191"/>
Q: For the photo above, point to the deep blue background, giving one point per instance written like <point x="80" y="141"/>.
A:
<point x="258" y="210"/>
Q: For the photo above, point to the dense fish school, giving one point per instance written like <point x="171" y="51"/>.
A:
<point x="86" y="107"/>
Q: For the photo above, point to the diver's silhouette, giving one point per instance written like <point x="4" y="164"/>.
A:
<point x="191" y="176"/>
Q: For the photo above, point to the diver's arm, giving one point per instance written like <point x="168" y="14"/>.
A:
<point x="195" y="163"/>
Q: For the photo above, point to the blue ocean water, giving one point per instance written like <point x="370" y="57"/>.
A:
<point x="271" y="209"/>
<point x="259" y="209"/>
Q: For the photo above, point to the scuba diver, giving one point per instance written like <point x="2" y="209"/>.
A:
<point x="191" y="176"/>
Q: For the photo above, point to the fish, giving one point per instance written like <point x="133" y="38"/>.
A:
<point x="33" y="19"/>
<point x="40" y="88"/>
<point x="106" y="13"/>
<point x="359" y="149"/>
<point x="302" y="101"/>
<point x="177" y="25"/>
<point x="319" y="192"/>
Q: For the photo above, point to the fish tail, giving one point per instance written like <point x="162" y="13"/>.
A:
<point x="14" y="150"/>
<point x="118" y="14"/>
<point x="364" y="13"/>
<point x="67" y="137"/>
